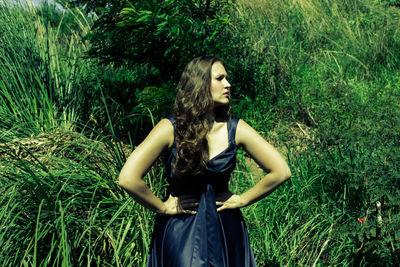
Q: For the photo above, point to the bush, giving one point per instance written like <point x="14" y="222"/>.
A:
<point x="180" y="30"/>
<point x="356" y="145"/>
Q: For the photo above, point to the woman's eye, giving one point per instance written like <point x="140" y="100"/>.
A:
<point x="220" y="78"/>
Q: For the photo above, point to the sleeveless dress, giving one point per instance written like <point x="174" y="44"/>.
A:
<point x="207" y="238"/>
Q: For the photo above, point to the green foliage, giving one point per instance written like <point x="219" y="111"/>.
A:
<point x="65" y="20"/>
<point x="156" y="100"/>
<point x="262" y="120"/>
<point x="319" y="79"/>
<point x="357" y="145"/>
<point x="331" y="68"/>
<point x="290" y="226"/>
<point x="96" y="6"/>
<point x="61" y="206"/>
<point x="160" y="34"/>
<point x="114" y="98"/>
<point x="270" y="39"/>
<point x="395" y="3"/>
<point x="38" y="75"/>
<point x="136" y="60"/>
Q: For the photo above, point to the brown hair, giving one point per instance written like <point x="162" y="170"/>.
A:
<point x="193" y="114"/>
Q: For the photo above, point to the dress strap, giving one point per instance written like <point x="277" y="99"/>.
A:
<point x="171" y="119"/>
<point x="232" y="125"/>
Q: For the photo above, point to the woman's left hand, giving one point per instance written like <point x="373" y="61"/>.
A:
<point x="235" y="201"/>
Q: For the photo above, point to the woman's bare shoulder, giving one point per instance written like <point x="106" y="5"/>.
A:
<point x="243" y="132"/>
<point x="164" y="129"/>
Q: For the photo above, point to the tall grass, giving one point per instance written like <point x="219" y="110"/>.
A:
<point x="61" y="205"/>
<point x="39" y="75"/>
<point x="326" y="84"/>
<point x="326" y="87"/>
<point x="291" y="226"/>
<point x="346" y="39"/>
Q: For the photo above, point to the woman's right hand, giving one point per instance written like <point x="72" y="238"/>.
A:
<point x="172" y="207"/>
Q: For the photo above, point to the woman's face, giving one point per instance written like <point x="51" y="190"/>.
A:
<point x="219" y="84"/>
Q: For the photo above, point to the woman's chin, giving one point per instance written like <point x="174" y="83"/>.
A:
<point x="221" y="103"/>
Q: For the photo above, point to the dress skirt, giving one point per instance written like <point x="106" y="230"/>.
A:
<point x="207" y="238"/>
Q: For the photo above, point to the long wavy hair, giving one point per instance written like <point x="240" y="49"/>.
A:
<point x="193" y="112"/>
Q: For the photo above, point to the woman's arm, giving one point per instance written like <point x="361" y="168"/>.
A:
<point x="268" y="159"/>
<point x="141" y="159"/>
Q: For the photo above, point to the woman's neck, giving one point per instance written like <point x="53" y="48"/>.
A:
<point x="220" y="114"/>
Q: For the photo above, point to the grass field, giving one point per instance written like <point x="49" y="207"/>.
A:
<point x="325" y="90"/>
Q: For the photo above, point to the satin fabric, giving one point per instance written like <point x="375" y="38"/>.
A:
<point x="208" y="238"/>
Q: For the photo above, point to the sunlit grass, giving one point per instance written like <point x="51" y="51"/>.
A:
<point x="39" y="76"/>
<point x="65" y="207"/>
<point x="332" y="69"/>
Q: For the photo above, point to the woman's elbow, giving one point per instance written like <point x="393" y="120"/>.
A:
<point x="285" y="174"/>
<point x="130" y="183"/>
<point x="124" y="181"/>
<point x="288" y="174"/>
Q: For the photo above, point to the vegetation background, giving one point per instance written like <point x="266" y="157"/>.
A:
<point x="83" y="84"/>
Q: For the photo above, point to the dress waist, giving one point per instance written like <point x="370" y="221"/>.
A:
<point x="189" y="191"/>
<point x="190" y="201"/>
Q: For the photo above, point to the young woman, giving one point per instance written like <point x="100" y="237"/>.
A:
<point x="199" y="223"/>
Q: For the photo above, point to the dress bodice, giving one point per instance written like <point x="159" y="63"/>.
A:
<point x="208" y="237"/>
<point x="218" y="172"/>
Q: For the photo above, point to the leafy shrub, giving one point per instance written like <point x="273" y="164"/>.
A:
<point x="356" y="142"/>
<point x="395" y="3"/>
<point x="160" y="34"/>
<point x="144" y="44"/>
<point x="156" y="100"/>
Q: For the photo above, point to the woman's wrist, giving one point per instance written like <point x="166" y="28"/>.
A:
<point x="243" y="201"/>
<point x="162" y="210"/>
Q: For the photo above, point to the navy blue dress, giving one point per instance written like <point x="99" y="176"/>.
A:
<point x="208" y="238"/>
